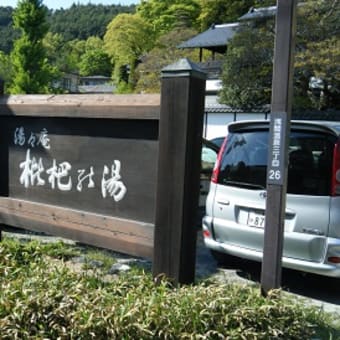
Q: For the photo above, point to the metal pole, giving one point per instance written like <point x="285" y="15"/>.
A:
<point x="281" y="107"/>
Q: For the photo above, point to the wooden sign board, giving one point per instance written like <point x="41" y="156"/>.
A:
<point x="116" y="171"/>
<point x="83" y="167"/>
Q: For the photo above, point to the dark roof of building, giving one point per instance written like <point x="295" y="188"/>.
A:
<point x="329" y="114"/>
<point x="214" y="39"/>
<point x="223" y="108"/>
<point x="259" y="13"/>
<point x="262" y="12"/>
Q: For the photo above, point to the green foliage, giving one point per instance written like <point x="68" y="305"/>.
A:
<point x="141" y="39"/>
<point x="7" y="32"/>
<point x="30" y="18"/>
<point x="40" y="298"/>
<point x="318" y="54"/>
<point x="127" y="38"/>
<point x="247" y="72"/>
<point x="74" y="50"/>
<point x="83" y="21"/>
<point x="164" y="53"/>
<point x="5" y="68"/>
<point x="31" y="70"/>
<point x="248" y="64"/>
<point x="77" y="22"/>
<point x="222" y="11"/>
<point x="165" y="15"/>
<point x="95" y="61"/>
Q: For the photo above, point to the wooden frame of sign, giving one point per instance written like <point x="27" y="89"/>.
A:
<point x="115" y="171"/>
<point x="82" y="167"/>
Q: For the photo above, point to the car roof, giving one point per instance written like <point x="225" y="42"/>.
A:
<point x="314" y="125"/>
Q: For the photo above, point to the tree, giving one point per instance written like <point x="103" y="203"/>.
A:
<point x="54" y="45"/>
<point x="83" y="21"/>
<point x="247" y="70"/>
<point x="7" y="33"/>
<point x="226" y="11"/>
<point x="95" y="61"/>
<point x="164" y="53"/>
<point x="221" y="11"/>
<point x="5" y="68"/>
<point x="31" y="70"/>
<point x="127" y="39"/>
<point x="317" y="68"/>
<point x="165" y="15"/>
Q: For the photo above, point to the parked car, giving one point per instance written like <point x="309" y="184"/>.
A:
<point x="208" y="159"/>
<point x="217" y="141"/>
<point x="235" y="208"/>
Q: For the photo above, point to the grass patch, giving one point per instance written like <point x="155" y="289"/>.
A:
<point x="39" y="300"/>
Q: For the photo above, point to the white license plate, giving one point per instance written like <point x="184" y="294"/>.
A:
<point x="256" y="220"/>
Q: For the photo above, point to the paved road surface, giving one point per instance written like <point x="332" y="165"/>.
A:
<point x="318" y="290"/>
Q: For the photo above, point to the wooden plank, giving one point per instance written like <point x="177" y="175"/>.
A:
<point x="143" y="106"/>
<point x="122" y="235"/>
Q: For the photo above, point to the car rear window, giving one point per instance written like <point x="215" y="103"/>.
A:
<point x="244" y="161"/>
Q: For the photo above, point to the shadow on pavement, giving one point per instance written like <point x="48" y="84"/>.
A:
<point x="321" y="289"/>
<point x="316" y="287"/>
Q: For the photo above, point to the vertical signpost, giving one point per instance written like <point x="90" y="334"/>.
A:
<point x="281" y="105"/>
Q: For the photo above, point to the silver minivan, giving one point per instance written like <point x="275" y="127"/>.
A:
<point x="235" y="207"/>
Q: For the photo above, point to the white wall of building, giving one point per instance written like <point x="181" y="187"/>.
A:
<point x="215" y="124"/>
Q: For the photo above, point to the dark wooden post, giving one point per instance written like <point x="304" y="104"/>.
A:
<point x="2" y="86"/>
<point x="282" y="89"/>
<point x="179" y="163"/>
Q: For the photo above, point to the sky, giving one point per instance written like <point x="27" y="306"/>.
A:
<point x="56" y="4"/>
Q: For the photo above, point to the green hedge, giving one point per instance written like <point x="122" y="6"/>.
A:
<point x="42" y="300"/>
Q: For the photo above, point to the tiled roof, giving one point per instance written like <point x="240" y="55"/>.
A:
<point x="223" y="108"/>
<point x="215" y="38"/>
<point x="262" y="12"/>
<point x="330" y="114"/>
<point x="259" y="13"/>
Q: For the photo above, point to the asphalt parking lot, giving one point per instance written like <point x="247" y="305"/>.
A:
<point x="318" y="290"/>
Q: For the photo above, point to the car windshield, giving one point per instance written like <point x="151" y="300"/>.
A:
<point x="244" y="161"/>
